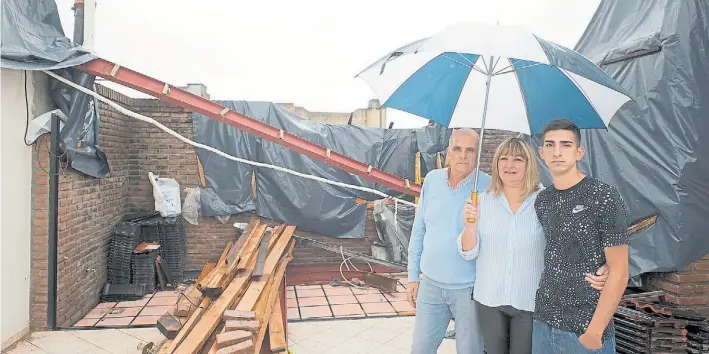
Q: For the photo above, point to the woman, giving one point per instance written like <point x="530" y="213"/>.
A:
<point x="508" y="244"/>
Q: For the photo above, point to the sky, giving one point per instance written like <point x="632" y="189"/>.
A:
<point x="301" y="52"/>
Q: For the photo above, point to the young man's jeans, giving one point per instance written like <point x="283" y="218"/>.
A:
<point x="548" y="340"/>
<point x="434" y="309"/>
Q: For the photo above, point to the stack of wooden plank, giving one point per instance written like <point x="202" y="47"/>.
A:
<point x="236" y="300"/>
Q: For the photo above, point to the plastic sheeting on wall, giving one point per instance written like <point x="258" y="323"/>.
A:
<point x="33" y="39"/>
<point x="311" y="205"/>
<point x="655" y="151"/>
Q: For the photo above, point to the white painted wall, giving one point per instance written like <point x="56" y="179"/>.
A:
<point x="16" y="197"/>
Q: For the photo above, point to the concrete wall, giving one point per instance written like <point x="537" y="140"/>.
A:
<point x="372" y="116"/>
<point x="16" y="191"/>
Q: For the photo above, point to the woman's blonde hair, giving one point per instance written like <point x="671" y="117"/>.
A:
<point x="515" y="147"/>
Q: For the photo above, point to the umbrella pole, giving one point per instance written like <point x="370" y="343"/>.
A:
<point x="474" y="194"/>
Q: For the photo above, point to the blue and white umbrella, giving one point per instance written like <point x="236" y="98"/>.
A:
<point x="494" y="77"/>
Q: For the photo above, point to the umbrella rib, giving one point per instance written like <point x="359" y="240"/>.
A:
<point x="513" y="70"/>
<point x="466" y="65"/>
<point x="506" y="67"/>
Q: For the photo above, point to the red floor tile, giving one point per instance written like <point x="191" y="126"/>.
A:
<point x="378" y="308"/>
<point x="365" y="291"/>
<point x="309" y="293"/>
<point x="293" y="314"/>
<point x="104" y="305"/>
<point x="308" y="287"/>
<point x="336" y="291"/>
<point x="111" y="322"/>
<point x="371" y="298"/>
<point x="347" y="310"/>
<point x="86" y="322"/>
<point x="395" y="296"/>
<point x="290" y="294"/>
<point x="312" y="301"/>
<point x="315" y="312"/>
<point x="402" y="306"/>
<point x="166" y="293"/>
<point x="136" y="303"/>
<point x="155" y="310"/>
<point x="290" y="303"/>
<point x="97" y="313"/>
<point x="163" y="301"/>
<point x="342" y="299"/>
<point x="145" y="320"/>
<point x="123" y="312"/>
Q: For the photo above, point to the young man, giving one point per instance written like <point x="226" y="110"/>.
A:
<point x="585" y="224"/>
<point x="440" y="281"/>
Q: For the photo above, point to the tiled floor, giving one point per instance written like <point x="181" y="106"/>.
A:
<point x="324" y="301"/>
<point x="368" y="335"/>
<point x="130" y="313"/>
<point x="103" y="341"/>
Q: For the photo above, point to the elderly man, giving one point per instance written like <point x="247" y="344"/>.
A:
<point x="440" y="281"/>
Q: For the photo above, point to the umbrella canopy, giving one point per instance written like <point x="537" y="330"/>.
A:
<point x="520" y="82"/>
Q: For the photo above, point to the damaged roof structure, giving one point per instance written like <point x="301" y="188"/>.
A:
<point x="654" y="151"/>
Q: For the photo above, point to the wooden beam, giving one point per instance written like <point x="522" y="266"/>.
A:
<point x="276" y="334"/>
<point x="251" y="302"/>
<point x="210" y="320"/>
<point x="195" y="320"/>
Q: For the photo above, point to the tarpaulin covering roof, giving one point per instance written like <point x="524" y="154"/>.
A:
<point x="33" y="39"/>
<point x="656" y="151"/>
<point x="311" y="205"/>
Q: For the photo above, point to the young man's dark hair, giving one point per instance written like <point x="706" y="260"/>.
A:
<point x="563" y="124"/>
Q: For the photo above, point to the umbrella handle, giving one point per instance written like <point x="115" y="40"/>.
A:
<point x="474" y="198"/>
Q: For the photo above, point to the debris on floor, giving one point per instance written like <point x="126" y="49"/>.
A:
<point x="247" y="279"/>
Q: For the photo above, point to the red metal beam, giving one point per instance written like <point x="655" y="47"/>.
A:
<point x="135" y="80"/>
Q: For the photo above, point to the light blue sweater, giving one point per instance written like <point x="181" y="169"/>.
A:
<point x="433" y="249"/>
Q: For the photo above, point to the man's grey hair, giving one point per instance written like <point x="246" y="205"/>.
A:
<point x="462" y="131"/>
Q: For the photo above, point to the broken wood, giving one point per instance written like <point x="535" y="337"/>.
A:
<point x="206" y="270"/>
<point x="276" y="333"/>
<point x="241" y="348"/>
<point x="196" y="317"/>
<point x="241" y="325"/>
<point x="203" y="329"/>
<point x="239" y="315"/>
<point x="264" y="304"/>
<point x="234" y="337"/>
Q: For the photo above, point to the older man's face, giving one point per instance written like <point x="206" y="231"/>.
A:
<point x="462" y="153"/>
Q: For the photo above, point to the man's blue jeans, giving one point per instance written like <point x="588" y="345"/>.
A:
<point x="434" y="309"/>
<point x="548" y="340"/>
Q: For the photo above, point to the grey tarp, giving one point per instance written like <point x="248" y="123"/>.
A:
<point x="311" y="205"/>
<point x="33" y="39"/>
<point x="656" y="151"/>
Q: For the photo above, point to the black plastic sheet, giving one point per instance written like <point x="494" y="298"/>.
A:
<point x="655" y="151"/>
<point x="309" y="204"/>
<point x="33" y="39"/>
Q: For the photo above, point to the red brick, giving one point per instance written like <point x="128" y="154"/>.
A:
<point x="674" y="288"/>
<point x="702" y="265"/>
<point x="687" y="278"/>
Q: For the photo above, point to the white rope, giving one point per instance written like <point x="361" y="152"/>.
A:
<point x="218" y="152"/>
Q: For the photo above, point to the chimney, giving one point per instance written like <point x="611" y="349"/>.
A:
<point x="197" y="89"/>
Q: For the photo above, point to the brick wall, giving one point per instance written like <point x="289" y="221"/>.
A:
<point x="687" y="288"/>
<point x="88" y="210"/>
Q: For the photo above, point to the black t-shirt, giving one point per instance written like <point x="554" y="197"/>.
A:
<point x="579" y="222"/>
